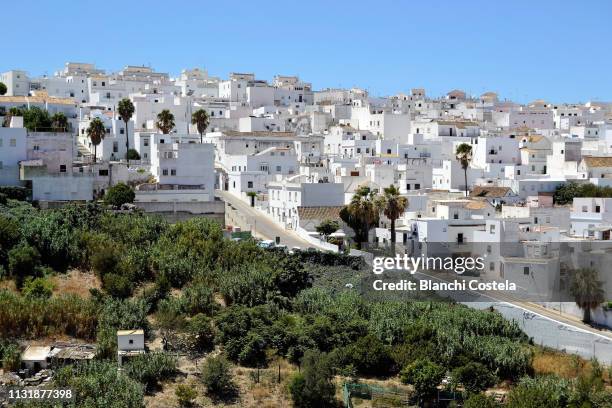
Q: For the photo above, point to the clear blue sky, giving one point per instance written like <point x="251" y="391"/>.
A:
<point x="556" y="50"/>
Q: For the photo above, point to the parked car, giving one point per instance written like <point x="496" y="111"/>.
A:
<point x="266" y="244"/>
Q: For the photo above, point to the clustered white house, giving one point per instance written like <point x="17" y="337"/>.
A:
<point x="298" y="154"/>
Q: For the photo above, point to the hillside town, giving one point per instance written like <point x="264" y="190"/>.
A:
<point x="307" y="170"/>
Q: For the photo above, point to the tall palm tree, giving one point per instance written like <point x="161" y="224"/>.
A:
<point x="587" y="291"/>
<point x="165" y="121"/>
<point x="200" y="119"/>
<point x="392" y="205"/>
<point x="464" y="155"/>
<point x="96" y="132"/>
<point x="59" y="122"/>
<point x="126" y="110"/>
<point x="362" y="213"/>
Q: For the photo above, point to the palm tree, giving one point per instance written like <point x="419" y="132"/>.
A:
<point x="587" y="291"/>
<point x="96" y="132"/>
<point x="361" y="214"/>
<point x="464" y="155"/>
<point x="393" y="206"/>
<point x="59" y="122"/>
<point x="252" y="195"/>
<point x="200" y="119"/>
<point x="165" y="121"/>
<point x="126" y="110"/>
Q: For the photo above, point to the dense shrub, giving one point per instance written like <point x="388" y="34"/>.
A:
<point x="150" y="368"/>
<point x="216" y="376"/>
<point x="15" y="193"/>
<point x="119" y="194"/>
<point x="313" y="386"/>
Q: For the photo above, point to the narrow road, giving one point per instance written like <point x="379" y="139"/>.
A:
<point x="251" y="219"/>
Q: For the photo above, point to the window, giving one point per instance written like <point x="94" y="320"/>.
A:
<point x="417" y="186"/>
<point x="492" y="266"/>
<point x="122" y="131"/>
<point x="492" y="229"/>
<point x="597" y="209"/>
<point x="145" y="142"/>
<point x="62" y="168"/>
<point x="115" y="147"/>
<point x="173" y="172"/>
<point x="525" y="270"/>
<point x="103" y="172"/>
<point x="131" y="341"/>
<point x="13" y="142"/>
<point x="249" y="184"/>
<point x="584" y="208"/>
<point x="488" y="249"/>
<point x="164" y="172"/>
<point x="407" y="186"/>
<point x="455" y="216"/>
<point x="278" y="168"/>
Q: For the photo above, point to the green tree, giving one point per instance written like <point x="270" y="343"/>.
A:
<point x="201" y="120"/>
<point x="252" y="195"/>
<point x="150" y="368"/>
<point x="14" y="111"/>
<point x="3" y="88"/>
<point x="119" y="194"/>
<point x="96" y="132"/>
<point x="328" y="227"/>
<point x="587" y="290"/>
<point x="464" y="156"/>
<point x="313" y="386"/>
<point x="126" y="110"/>
<point x="59" y="122"/>
<point x="165" y="121"/>
<point x="425" y="376"/>
<point x="132" y="154"/>
<point x="24" y="260"/>
<point x="9" y="237"/>
<point x="36" y="119"/>
<point x="217" y="377"/>
<point x="361" y="214"/>
<point x="393" y="206"/>
<point x="474" y="377"/>
<point x="185" y="394"/>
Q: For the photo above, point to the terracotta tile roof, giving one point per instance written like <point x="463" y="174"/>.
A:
<point x="319" y="213"/>
<point x="594" y="161"/>
<point x="485" y="191"/>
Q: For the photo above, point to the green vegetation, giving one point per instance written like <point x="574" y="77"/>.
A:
<point x="119" y="194"/>
<point x="185" y="394"/>
<point x="3" y="88"/>
<point x="132" y="154"/>
<point x="565" y="193"/>
<point x="252" y="306"/>
<point x="217" y="378"/>
<point x="126" y="110"/>
<point x="165" y="121"/>
<point x="362" y="214"/>
<point x="393" y="206"/>
<point x="313" y="386"/>
<point x="328" y="227"/>
<point x="587" y="290"/>
<point x="201" y="120"/>
<point x="96" y="132"/>
<point x="464" y="155"/>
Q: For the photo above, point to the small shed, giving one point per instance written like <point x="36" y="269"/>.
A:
<point x="35" y="357"/>
<point x="129" y="343"/>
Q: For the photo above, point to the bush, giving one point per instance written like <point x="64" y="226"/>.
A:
<point x="132" y="154"/>
<point x="201" y="333"/>
<point x="119" y="194"/>
<point x="119" y="286"/>
<point x="15" y="192"/>
<point x="150" y="368"/>
<point x="37" y="287"/>
<point x="479" y="401"/>
<point x="424" y="375"/>
<point x="217" y="377"/>
<point x="313" y="386"/>
<point x="23" y="261"/>
<point x="475" y="377"/>
<point x="370" y="356"/>
<point x="185" y="395"/>
<point x="11" y="357"/>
